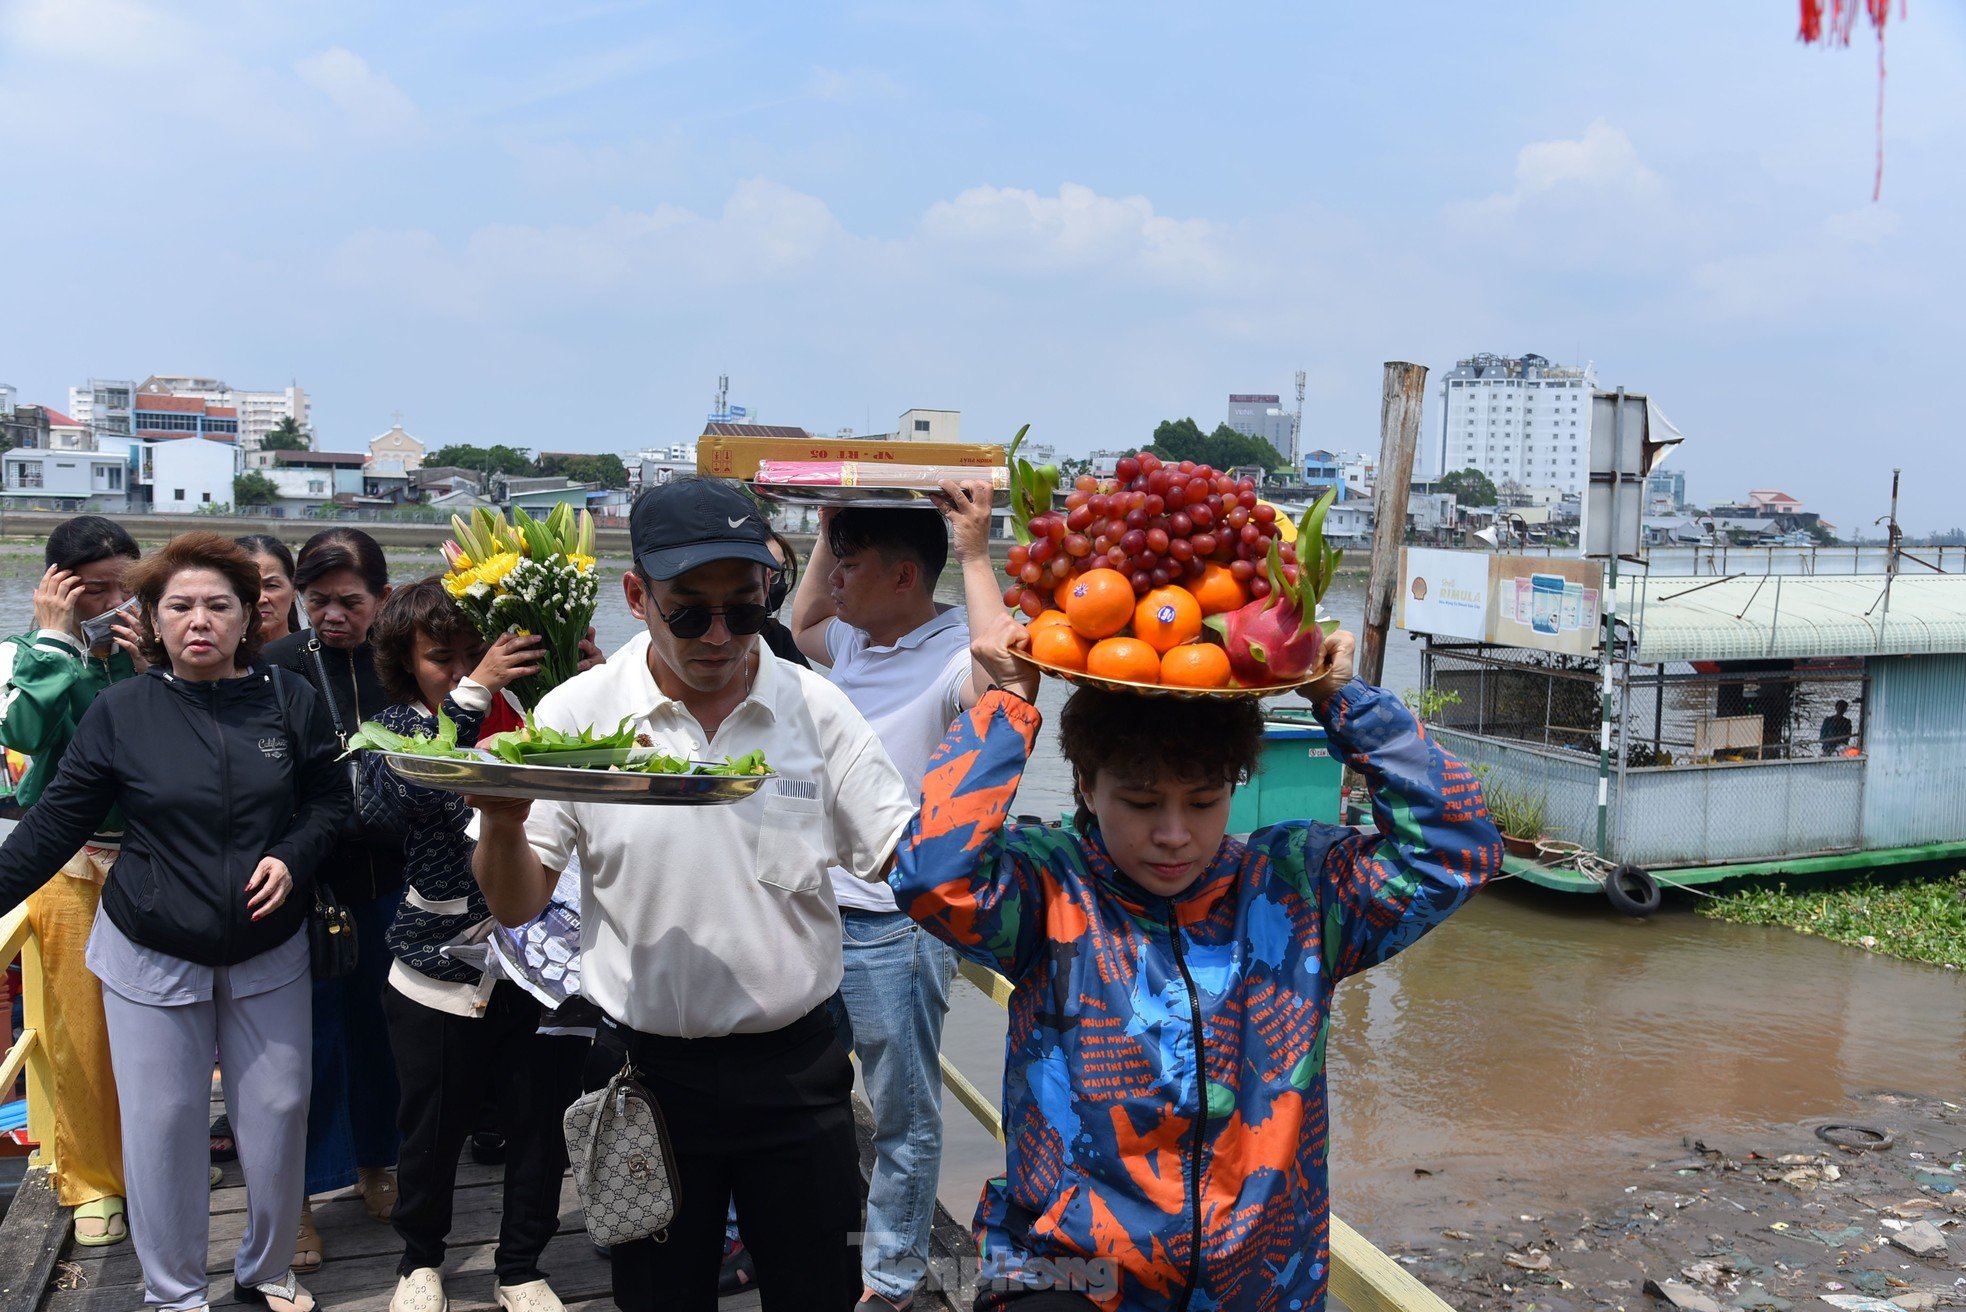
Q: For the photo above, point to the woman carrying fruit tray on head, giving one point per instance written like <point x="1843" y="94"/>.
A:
<point x="1164" y="1096"/>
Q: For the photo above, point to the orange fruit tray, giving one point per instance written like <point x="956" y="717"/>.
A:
<point x="1084" y="680"/>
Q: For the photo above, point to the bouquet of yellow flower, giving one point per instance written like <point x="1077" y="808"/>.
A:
<point x="530" y="576"/>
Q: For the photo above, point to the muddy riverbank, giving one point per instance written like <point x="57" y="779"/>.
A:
<point x="1775" y="1218"/>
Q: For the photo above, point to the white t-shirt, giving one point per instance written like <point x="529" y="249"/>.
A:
<point x="701" y="921"/>
<point x="909" y="692"/>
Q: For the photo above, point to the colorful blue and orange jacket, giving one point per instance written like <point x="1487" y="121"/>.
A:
<point x="1164" y="1099"/>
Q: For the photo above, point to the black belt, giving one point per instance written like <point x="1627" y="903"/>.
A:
<point x="622" y="1038"/>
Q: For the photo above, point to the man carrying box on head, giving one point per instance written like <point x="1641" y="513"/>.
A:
<point x="866" y="607"/>
<point x="710" y="938"/>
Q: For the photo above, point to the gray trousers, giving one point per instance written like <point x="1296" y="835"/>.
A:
<point x="163" y="1061"/>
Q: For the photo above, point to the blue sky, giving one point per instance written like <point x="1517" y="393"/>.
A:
<point x="555" y="225"/>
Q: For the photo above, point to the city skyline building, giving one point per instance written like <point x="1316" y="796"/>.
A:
<point x="108" y="405"/>
<point x="1261" y="414"/>
<point x="1518" y="419"/>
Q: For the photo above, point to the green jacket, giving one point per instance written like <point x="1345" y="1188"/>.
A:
<point x="46" y="682"/>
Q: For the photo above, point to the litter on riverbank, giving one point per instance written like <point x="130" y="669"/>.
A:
<point x="1866" y="1212"/>
<point x="1916" y="919"/>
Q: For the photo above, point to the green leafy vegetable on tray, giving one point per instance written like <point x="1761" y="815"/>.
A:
<point x="529" y="745"/>
<point x="537" y="744"/>
<point x="373" y="737"/>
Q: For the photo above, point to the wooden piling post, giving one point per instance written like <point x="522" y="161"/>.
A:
<point x="1399" y="438"/>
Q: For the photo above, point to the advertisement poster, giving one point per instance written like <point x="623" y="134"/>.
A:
<point x="1552" y="604"/>
<point x="1445" y="592"/>
<point x="1521" y="601"/>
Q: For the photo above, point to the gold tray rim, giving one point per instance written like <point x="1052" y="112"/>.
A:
<point x="1083" y="680"/>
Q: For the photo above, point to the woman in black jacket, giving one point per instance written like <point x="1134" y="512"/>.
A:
<point x="230" y="793"/>
<point x="343" y="580"/>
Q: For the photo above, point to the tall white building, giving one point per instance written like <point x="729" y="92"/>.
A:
<point x="1261" y="414"/>
<point x="1518" y="419"/>
<point x="105" y="404"/>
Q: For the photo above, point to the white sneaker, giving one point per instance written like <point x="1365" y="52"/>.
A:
<point x="422" y="1290"/>
<point x="533" y="1296"/>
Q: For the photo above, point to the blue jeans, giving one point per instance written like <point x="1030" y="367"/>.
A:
<point x="351" y="1115"/>
<point x="889" y="1012"/>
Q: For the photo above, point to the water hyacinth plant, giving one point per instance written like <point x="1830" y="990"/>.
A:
<point x="528" y="576"/>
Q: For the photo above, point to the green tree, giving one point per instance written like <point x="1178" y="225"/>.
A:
<point x="1225" y="448"/>
<point x="515" y="461"/>
<point x="1071" y="467"/>
<point x="1823" y="537"/>
<point x="606" y="469"/>
<point x="285" y="436"/>
<point x="1470" y="487"/>
<point x="254" y="490"/>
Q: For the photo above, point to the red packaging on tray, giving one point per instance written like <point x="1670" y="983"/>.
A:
<point x="855" y="473"/>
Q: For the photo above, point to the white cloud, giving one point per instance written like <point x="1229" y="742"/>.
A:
<point x="371" y="101"/>
<point x="1576" y="203"/>
<point x="1020" y="231"/>
<point x="102" y="33"/>
<point x="1838" y="266"/>
<point x="766" y="233"/>
<point x="1595" y="168"/>
<point x="847" y="87"/>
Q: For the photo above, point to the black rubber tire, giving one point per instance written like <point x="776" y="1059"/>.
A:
<point x="1856" y="1138"/>
<point x="1632" y="891"/>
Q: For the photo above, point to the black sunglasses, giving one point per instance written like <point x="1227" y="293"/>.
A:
<point x="743" y="619"/>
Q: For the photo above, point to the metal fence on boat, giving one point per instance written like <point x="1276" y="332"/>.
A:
<point x="1733" y="761"/>
<point x="1747" y="811"/>
<point x="1565" y="783"/>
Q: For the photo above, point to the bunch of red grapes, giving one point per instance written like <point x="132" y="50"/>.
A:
<point x="1157" y="523"/>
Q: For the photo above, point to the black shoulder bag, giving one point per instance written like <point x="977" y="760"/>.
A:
<point x="330" y="929"/>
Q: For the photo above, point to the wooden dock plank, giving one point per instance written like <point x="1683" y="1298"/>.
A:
<point x="359" y="1274"/>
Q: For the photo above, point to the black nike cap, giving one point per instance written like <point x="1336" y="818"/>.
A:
<point x="678" y="526"/>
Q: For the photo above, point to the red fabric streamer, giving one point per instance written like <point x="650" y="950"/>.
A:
<point x="1842" y="19"/>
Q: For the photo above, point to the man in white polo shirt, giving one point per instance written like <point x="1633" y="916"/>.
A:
<point x="710" y="938"/>
<point x="866" y="607"/>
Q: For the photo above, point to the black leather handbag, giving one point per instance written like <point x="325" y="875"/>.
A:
<point x="330" y="929"/>
<point x="330" y="935"/>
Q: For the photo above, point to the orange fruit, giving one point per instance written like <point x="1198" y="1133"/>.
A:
<point x="1062" y="591"/>
<point x="1167" y="617"/>
<point x="1099" y="602"/>
<point x="1057" y="644"/>
<point x="1046" y="619"/>
<point x="1126" y="659"/>
<point x="1195" y="665"/>
<point x="1217" y="591"/>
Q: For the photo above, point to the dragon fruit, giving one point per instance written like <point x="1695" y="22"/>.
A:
<point x="1275" y="639"/>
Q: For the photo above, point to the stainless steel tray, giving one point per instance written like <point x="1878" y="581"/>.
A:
<point x="489" y="777"/>
<point x="811" y="494"/>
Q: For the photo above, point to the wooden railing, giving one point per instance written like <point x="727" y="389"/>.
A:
<point x="1362" y="1278"/>
<point x="29" y="1052"/>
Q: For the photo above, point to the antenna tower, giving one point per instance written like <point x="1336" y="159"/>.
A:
<point x="1297" y="427"/>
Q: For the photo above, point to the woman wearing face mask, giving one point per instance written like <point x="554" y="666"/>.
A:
<point x="342" y="579"/>
<point x="279" y="614"/>
<point x="225" y="775"/>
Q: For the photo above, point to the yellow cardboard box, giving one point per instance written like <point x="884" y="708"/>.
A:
<point x="738" y="457"/>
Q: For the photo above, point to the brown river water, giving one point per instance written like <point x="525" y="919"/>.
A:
<point x="1533" y="1047"/>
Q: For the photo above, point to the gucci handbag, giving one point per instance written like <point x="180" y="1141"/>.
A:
<point x="623" y="1168"/>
